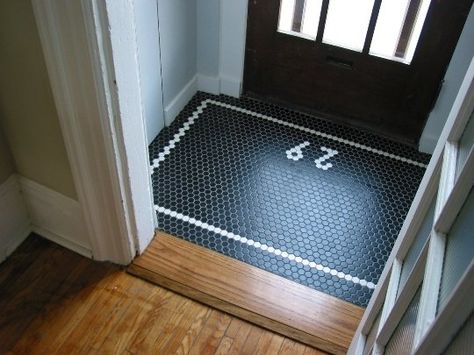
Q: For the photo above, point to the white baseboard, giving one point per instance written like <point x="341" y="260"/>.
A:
<point x="14" y="222"/>
<point x="56" y="217"/>
<point x="209" y="84"/>
<point x="177" y="104"/>
<point x="231" y="87"/>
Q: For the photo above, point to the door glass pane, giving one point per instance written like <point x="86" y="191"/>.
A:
<point x="459" y="250"/>
<point x="347" y="22"/>
<point x="369" y="343"/>
<point x="398" y="29"/>
<point x="465" y="144"/>
<point x="404" y="334"/>
<point x="300" y="17"/>
<point x="416" y="247"/>
<point x="463" y="342"/>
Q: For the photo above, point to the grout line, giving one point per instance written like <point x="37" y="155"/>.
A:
<point x="264" y="247"/>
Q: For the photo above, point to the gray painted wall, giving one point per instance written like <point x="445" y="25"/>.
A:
<point x="207" y="15"/>
<point x="233" y="29"/>
<point x="221" y="29"/>
<point x="177" y="21"/>
<point x="146" y="16"/>
<point x="452" y="82"/>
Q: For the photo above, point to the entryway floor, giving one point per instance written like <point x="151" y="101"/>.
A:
<point x="317" y="203"/>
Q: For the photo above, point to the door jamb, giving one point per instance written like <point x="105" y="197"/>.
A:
<point x="90" y="50"/>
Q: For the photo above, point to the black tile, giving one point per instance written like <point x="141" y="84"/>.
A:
<point x="231" y="170"/>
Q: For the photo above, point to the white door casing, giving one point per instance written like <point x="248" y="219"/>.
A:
<point x="90" y="49"/>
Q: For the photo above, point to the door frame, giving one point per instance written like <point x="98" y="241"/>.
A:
<point x="90" y="49"/>
<point x="433" y="332"/>
<point x="100" y="121"/>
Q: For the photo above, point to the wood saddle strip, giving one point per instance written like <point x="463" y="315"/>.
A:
<point x="250" y="293"/>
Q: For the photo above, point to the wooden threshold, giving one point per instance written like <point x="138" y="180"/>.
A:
<point x="255" y="295"/>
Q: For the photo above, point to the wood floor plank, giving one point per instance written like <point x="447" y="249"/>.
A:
<point x="188" y="331"/>
<point x="23" y="304"/>
<point x="239" y="331"/>
<point x="188" y="311"/>
<point x="236" y="327"/>
<point x="211" y="334"/>
<point x="253" y="338"/>
<point x="78" y="306"/>
<point x="224" y="346"/>
<point x="14" y="285"/>
<point x="269" y="344"/>
<point x="240" y="289"/>
<point x="286" y="347"/>
<point x="85" y="322"/>
<point x="55" y="326"/>
<point x="133" y="319"/>
<point x="50" y="316"/>
<point x="24" y="256"/>
<point x="298" y="348"/>
<point x="312" y="351"/>
<point x="158" y="318"/>
<point x="117" y="302"/>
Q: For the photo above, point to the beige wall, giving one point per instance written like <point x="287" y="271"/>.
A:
<point x="6" y="164"/>
<point x="27" y="112"/>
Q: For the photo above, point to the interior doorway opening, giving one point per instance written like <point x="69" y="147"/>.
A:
<point x="234" y="173"/>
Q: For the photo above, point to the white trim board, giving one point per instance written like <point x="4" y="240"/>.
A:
<point x="56" y="217"/>
<point x="14" y="222"/>
<point x="90" y="49"/>
<point x="209" y="84"/>
<point x="117" y="78"/>
<point x="231" y="87"/>
<point x="179" y="101"/>
<point x="219" y="85"/>
<point x="232" y="37"/>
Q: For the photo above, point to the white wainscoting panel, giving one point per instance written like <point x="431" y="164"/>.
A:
<point x="14" y="222"/>
<point x="56" y="217"/>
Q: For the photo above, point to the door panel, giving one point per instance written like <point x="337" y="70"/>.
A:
<point x="385" y="95"/>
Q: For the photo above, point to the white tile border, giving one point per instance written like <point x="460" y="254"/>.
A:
<point x="318" y="133"/>
<point x="264" y="247"/>
<point x="182" y="131"/>
<point x="177" y="137"/>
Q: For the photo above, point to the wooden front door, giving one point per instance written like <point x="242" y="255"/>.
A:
<point x="373" y="63"/>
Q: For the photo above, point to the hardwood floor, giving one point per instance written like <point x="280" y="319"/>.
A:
<point x="55" y="301"/>
<point x="268" y="300"/>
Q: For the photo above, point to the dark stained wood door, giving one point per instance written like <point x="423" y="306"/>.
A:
<point x="385" y="95"/>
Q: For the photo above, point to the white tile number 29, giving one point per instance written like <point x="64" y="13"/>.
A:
<point x="296" y="153"/>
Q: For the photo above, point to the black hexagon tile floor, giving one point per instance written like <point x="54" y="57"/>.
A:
<point x="315" y="202"/>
